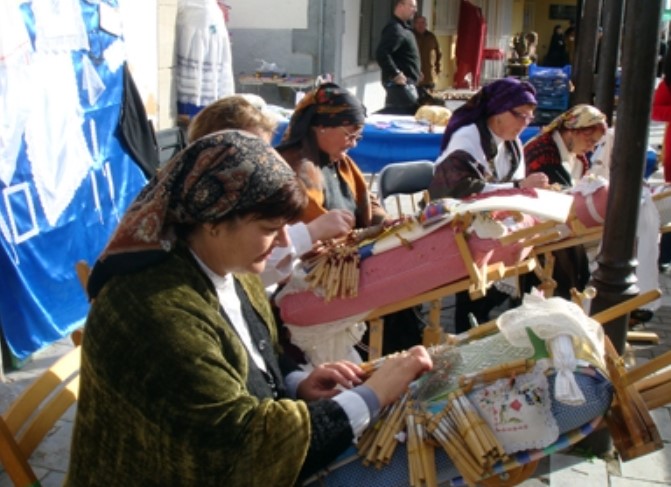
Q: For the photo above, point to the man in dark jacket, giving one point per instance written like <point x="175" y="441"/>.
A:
<point x="398" y="57"/>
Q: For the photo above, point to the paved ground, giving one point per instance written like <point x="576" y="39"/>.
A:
<point x="558" y="470"/>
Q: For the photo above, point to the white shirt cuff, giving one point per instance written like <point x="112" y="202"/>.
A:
<point x="359" y="412"/>
<point x="300" y="238"/>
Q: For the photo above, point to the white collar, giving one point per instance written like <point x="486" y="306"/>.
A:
<point x="220" y="282"/>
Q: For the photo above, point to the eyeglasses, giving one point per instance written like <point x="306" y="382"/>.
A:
<point x="523" y="117"/>
<point x="352" y="136"/>
<point x="592" y="137"/>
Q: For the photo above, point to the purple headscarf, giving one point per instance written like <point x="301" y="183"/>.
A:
<point x="497" y="97"/>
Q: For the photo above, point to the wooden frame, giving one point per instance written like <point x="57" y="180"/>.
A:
<point x="33" y="414"/>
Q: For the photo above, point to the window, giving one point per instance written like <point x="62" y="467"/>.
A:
<point x="374" y="16"/>
<point x="562" y="12"/>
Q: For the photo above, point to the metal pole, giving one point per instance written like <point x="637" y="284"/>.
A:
<point x="614" y="278"/>
<point x="608" y="57"/>
<point x="585" y="51"/>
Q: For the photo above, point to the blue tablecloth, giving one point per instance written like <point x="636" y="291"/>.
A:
<point x="396" y="139"/>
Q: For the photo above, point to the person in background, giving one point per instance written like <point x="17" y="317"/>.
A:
<point x="561" y="148"/>
<point x="481" y="152"/>
<point x="560" y="151"/>
<point x="661" y="112"/>
<point x="328" y="122"/>
<point x="557" y="55"/>
<point x="204" y="63"/>
<point x="181" y="376"/>
<point x="429" y="53"/>
<point x="236" y="112"/>
<point x="398" y="57"/>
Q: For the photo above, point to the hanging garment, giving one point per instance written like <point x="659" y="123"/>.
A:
<point x="59" y="26"/>
<point x="56" y="146"/>
<point x="204" y="71"/>
<point x="470" y="44"/>
<point x="15" y="81"/>
<point x="135" y="131"/>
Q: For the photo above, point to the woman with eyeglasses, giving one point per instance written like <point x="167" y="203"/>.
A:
<point x="482" y="152"/>
<point x="328" y="122"/>
<point x="560" y="152"/>
<point x="182" y="378"/>
<point x="237" y="112"/>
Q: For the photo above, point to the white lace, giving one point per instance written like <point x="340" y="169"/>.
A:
<point x="329" y="342"/>
<point x="551" y="320"/>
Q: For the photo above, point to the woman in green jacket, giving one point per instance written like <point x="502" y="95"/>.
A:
<point x="182" y="381"/>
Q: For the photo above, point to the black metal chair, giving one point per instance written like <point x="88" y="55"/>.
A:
<point x="404" y="178"/>
<point x="168" y="143"/>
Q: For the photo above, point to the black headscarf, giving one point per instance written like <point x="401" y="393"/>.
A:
<point x="328" y="105"/>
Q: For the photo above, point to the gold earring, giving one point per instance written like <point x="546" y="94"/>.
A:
<point x="214" y="232"/>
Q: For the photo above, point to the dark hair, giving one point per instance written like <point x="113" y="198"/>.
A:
<point x="287" y="202"/>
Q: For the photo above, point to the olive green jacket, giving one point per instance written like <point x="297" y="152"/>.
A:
<point x="163" y="399"/>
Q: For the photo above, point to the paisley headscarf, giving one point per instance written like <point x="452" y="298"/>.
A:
<point x="578" y="117"/>
<point x="217" y="174"/>
<point x="328" y="105"/>
<point x="497" y="97"/>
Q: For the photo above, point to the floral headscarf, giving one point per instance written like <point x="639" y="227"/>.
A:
<point x="578" y="117"/>
<point x="217" y="174"/>
<point x="328" y="105"/>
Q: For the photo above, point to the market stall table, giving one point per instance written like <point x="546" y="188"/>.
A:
<point x="395" y="138"/>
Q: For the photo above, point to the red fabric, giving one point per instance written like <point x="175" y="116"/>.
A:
<point x="661" y="112"/>
<point x="470" y="44"/>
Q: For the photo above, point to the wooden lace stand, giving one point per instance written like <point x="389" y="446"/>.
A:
<point x="637" y="390"/>
<point x="477" y="282"/>
<point x="634" y="433"/>
<point x="581" y="235"/>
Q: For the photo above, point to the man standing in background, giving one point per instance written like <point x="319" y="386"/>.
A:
<point x="427" y="44"/>
<point x="398" y="58"/>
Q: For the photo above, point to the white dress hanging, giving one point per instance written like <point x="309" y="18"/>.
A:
<point x="59" y="26"/>
<point x="204" y="71"/>
<point x="56" y="147"/>
<point x="15" y="80"/>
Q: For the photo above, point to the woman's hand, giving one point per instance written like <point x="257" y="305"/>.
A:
<point x="334" y="224"/>
<point x="396" y="373"/>
<point x="323" y="381"/>
<point x="535" y="180"/>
